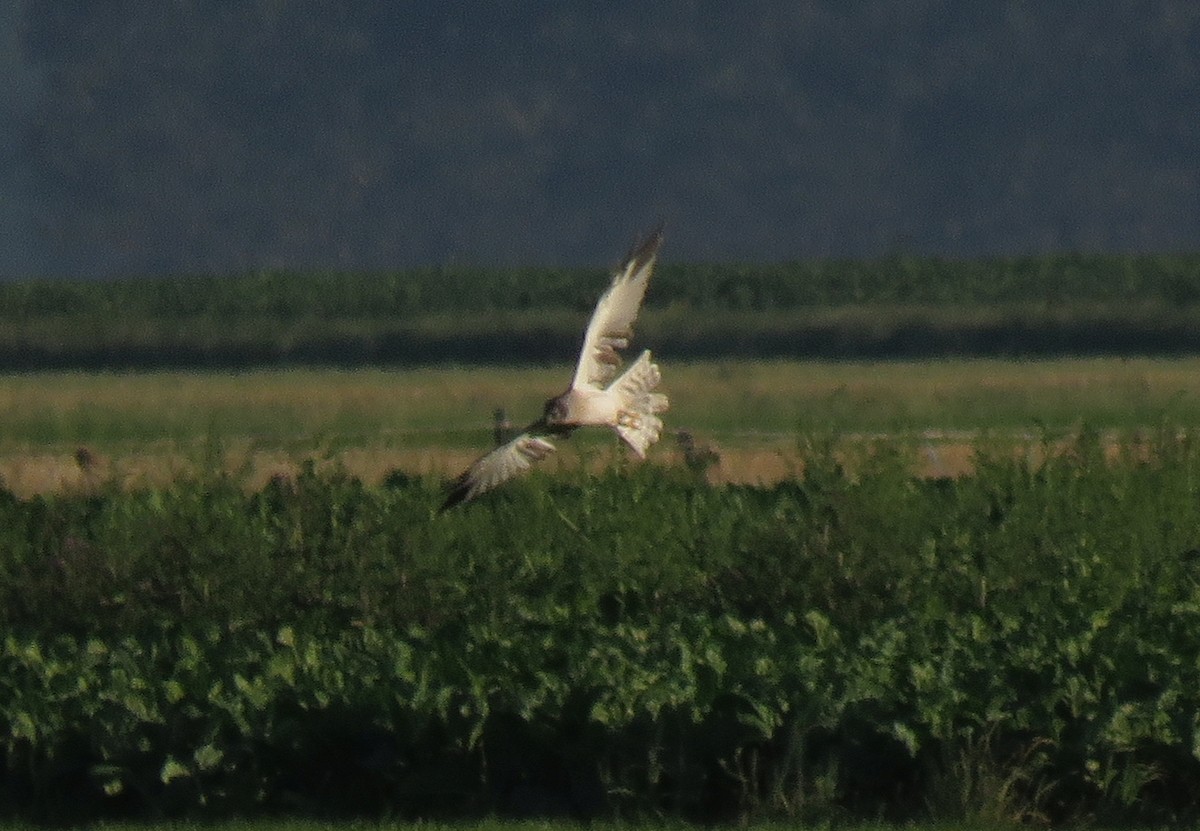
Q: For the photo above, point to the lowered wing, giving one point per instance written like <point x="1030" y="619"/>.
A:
<point x="611" y="325"/>
<point x="500" y="465"/>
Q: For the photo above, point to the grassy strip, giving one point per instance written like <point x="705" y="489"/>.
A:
<point x="148" y="428"/>
<point x="729" y="401"/>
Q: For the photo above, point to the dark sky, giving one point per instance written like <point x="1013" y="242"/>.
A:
<point x="206" y="136"/>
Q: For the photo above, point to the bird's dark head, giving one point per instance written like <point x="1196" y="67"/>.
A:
<point x="556" y="410"/>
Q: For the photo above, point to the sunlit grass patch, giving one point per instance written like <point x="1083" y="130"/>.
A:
<point x="432" y="421"/>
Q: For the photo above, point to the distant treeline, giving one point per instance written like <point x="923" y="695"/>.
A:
<point x="900" y="306"/>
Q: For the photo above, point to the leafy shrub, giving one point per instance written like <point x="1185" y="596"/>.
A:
<point x="1014" y="645"/>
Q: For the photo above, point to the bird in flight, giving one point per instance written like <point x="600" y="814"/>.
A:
<point x="627" y="404"/>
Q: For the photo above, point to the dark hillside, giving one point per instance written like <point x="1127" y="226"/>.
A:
<point x="212" y="136"/>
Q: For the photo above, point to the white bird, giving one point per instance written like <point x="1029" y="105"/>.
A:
<point x="628" y="404"/>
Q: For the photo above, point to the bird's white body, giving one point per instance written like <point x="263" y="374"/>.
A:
<point x="628" y="405"/>
<point x="590" y="407"/>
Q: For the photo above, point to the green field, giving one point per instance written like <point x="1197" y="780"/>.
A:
<point x="838" y="641"/>
<point x="1016" y="645"/>
<point x="959" y="591"/>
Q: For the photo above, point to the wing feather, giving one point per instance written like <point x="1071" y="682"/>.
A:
<point x="611" y="325"/>
<point x="498" y="466"/>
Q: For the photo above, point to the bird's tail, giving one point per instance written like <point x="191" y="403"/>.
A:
<point x="638" y="422"/>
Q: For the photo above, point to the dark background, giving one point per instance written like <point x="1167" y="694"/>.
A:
<point x="210" y="136"/>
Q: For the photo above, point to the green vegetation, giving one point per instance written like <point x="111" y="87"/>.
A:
<point x="1157" y="280"/>
<point x="850" y="643"/>
<point x="1014" y="645"/>
<point x="906" y="306"/>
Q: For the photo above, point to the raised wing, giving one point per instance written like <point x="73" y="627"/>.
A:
<point x="611" y="325"/>
<point x="498" y="466"/>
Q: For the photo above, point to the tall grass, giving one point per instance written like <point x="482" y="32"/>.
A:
<point x="148" y="427"/>
<point x="721" y="399"/>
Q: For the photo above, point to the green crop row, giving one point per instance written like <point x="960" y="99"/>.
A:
<point x="1172" y="280"/>
<point x="898" y="306"/>
<point x="1017" y="645"/>
<point x="553" y="335"/>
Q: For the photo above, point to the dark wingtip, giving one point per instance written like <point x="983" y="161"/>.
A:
<point x="457" y="492"/>
<point x="646" y="248"/>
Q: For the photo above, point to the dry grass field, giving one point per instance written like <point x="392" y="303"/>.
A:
<point x="70" y="430"/>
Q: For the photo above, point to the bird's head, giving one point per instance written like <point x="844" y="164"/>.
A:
<point x="556" y="410"/>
